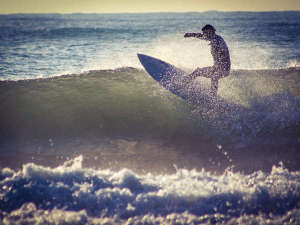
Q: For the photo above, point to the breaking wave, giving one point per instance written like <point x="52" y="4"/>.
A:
<point x="70" y="194"/>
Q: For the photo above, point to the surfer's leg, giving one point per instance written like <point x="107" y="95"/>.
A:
<point x="207" y="72"/>
<point x="216" y="75"/>
<point x="214" y="87"/>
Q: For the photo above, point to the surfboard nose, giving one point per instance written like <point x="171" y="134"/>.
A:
<point x="142" y="57"/>
<point x="153" y="66"/>
<point x="149" y="61"/>
<point x="156" y="67"/>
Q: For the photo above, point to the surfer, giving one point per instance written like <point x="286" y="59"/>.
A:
<point x="221" y="57"/>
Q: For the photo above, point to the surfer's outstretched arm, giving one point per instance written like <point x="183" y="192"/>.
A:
<point x="196" y="35"/>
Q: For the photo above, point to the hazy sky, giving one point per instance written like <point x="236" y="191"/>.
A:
<point x="107" y="6"/>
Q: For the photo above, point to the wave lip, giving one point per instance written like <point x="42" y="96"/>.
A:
<point x="88" y="195"/>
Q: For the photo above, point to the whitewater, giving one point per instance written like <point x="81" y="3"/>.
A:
<point x="88" y="137"/>
<point x="69" y="194"/>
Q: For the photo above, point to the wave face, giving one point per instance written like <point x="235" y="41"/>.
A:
<point x="69" y="194"/>
<point x="129" y="102"/>
<point x="116" y="102"/>
<point x="45" y="45"/>
<point x="117" y="114"/>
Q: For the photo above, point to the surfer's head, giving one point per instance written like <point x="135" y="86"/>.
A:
<point x="209" y="31"/>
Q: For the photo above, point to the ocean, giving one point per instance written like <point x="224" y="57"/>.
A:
<point x="88" y="137"/>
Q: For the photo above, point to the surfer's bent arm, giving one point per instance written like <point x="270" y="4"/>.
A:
<point x="196" y="35"/>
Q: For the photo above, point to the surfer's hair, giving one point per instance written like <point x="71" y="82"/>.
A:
<point x="208" y="27"/>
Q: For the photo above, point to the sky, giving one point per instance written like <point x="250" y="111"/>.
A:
<point x="117" y="6"/>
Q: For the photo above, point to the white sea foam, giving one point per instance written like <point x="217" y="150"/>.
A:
<point x="70" y="194"/>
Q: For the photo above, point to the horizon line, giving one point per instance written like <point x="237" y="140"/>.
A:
<point x="149" y="12"/>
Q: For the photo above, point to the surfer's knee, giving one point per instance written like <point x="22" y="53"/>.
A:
<point x="204" y="72"/>
<point x="196" y="73"/>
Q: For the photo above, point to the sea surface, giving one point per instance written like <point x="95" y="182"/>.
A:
<point x="88" y="137"/>
<point x="43" y="45"/>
